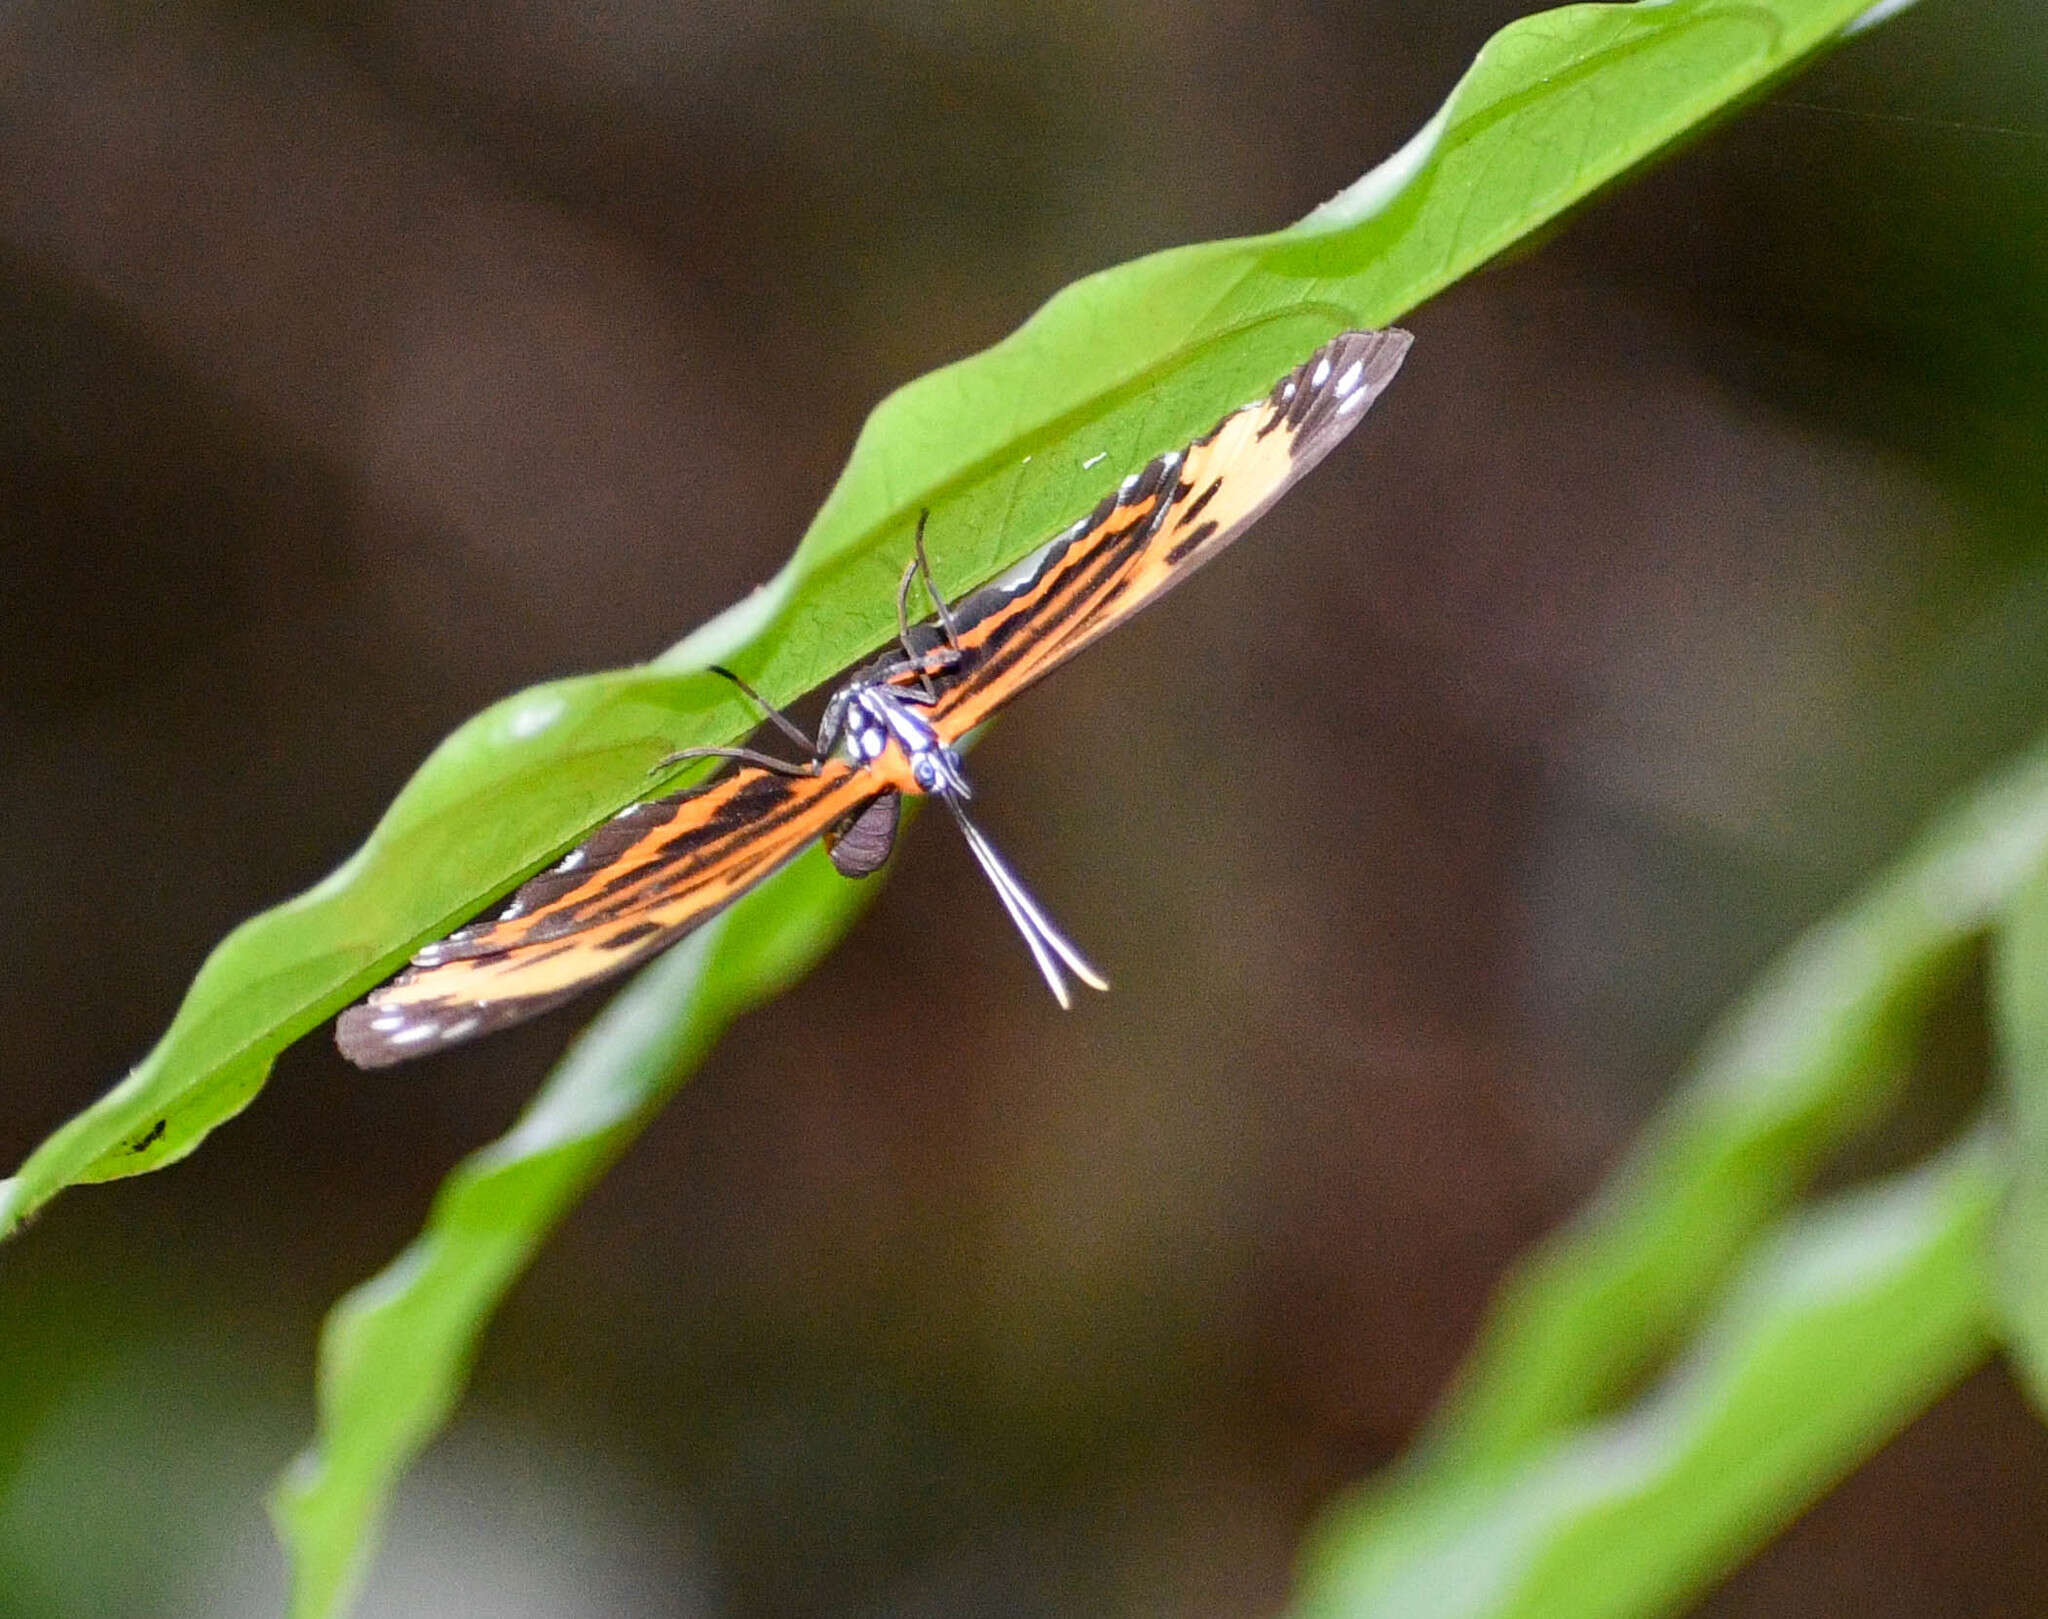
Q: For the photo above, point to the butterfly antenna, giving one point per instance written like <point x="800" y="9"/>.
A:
<point x="1050" y="948"/>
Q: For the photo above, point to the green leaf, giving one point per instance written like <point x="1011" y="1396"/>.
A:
<point x="1004" y="448"/>
<point x="395" y="1353"/>
<point x="1801" y="1063"/>
<point x="2019" y="1004"/>
<point x="1847" y="1321"/>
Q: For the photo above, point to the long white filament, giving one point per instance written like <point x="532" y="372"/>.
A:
<point x="1049" y="947"/>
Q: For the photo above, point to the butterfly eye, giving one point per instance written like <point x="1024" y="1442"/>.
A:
<point x="924" y="770"/>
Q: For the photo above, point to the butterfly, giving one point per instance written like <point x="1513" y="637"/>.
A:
<point x="662" y="867"/>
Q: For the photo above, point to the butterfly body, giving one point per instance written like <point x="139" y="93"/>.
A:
<point x="660" y="868"/>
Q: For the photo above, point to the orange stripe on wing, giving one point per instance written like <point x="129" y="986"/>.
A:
<point x="1160" y="526"/>
<point x="642" y="882"/>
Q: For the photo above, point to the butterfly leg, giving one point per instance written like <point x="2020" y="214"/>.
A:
<point x="921" y="668"/>
<point x="781" y="721"/>
<point x="931" y="589"/>
<point x="782" y="767"/>
<point x="914" y="662"/>
<point x="925" y="664"/>
<point x="935" y="662"/>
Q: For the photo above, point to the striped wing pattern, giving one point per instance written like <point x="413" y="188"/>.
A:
<point x="1161" y="525"/>
<point x="660" y="868"/>
<point x="640" y="883"/>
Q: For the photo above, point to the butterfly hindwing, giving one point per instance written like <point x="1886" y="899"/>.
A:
<point x="861" y="844"/>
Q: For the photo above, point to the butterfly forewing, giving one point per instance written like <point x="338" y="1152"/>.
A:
<point x="1158" y="527"/>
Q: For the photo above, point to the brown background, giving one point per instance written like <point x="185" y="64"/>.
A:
<point x="362" y="362"/>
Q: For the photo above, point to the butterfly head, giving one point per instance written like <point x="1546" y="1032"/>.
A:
<point x="937" y="770"/>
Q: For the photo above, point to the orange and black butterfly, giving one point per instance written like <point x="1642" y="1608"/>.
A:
<point x="660" y="868"/>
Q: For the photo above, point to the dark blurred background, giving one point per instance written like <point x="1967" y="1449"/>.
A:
<point x="362" y="362"/>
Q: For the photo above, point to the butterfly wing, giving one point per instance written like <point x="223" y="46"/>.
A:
<point x="642" y="881"/>
<point x="1158" y="527"/>
<point x="861" y="844"/>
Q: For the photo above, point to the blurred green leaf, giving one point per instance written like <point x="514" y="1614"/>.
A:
<point x="1805" y="1059"/>
<point x="1545" y="1514"/>
<point x="2019" y="1001"/>
<point x="396" y="1352"/>
<point x="1845" y="1323"/>
<point x="1117" y="367"/>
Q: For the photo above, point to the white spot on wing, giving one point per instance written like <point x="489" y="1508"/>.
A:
<point x="1322" y="372"/>
<point x="455" y="1031"/>
<point x="384" y="1025"/>
<point x="571" y="860"/>
<point x="1349" y="379"/>
<point x="414" y="1035"/>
